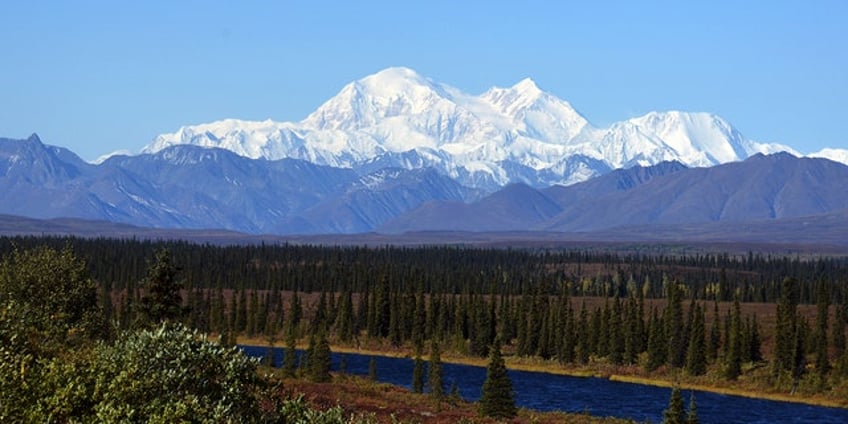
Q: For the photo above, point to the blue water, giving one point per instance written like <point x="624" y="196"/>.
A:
<point x="597" y="396"/>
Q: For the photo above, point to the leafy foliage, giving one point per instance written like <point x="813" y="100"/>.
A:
<point x="174" y="374"/>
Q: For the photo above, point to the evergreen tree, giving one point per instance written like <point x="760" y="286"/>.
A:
<point x="372" y="369"/>
<point x="594" y="332"/>
<point x="714" y="341"/>
<point x="656" y="343"/>
<point x="675" y="413"/>
<point x="692" y="413"/>
<point x="838" y="330"/>
<point x="343" y="364"/>
<point x="290" y="355"/>
<point x="822" y="306"/>
<point x="584" y="350"/>
<point x="319" y="319"/>
<point x="674" y="327"/>
<point x="604" y="330"/>
<point x="162" y="300"/>
<point x="418" y="374"/>
<point x="319" y="358"/>
<point x="755" y="344"/>
<point x="696" y="360"/>
<point x="241" y="312"/>
<point x="733" y="359"/>
<point x="617" y="333"/>
<point x="419" y="320"/>
<point x="784" y="345"/>
<point x="632" y="339"/>
<point x="344" y="318"/>
<point x="497" y="399"/>
<point x="434" y="376"/>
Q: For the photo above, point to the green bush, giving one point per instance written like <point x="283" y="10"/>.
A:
<point x="173" y="374"/>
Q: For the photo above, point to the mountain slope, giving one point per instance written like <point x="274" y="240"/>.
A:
<point x="193" y="187"/>
<point x="760" y="189"/>
<point x="519" y="207"/>
<point x="518" y="134"/>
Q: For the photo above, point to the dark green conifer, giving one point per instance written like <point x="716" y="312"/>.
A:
<point x="584" y="350"/>
<point x="498" y="399"/>
<point x="674" y="327"/>
<point x="755" y="342"/>
<point x="692" y="413"/>
<point x="290" y="354"/>
<point x="714" y="342"/>
<point x="675" y="413"/>
<point x="418" y="374"/>
<point x="838" y="330"/>
<point x="656" y="342"/>
<point x="784" y="345"/>
<point x="319" y="358"/>
<point x="616" y="333"/>
<point x="344" y="318"/>
<point x="372" y="369"/>
<point x="162" y="300"/>
<point x="696" y="360"/>
<point x="821" y="345"/>
<point x="733" y="359"/>
<point x="434" y="374"/>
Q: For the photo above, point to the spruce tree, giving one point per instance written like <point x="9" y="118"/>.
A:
<point x="344" y="318"/>
<point x="418" y="374"/>
<point x="692" y="413"/>
<point x="319" y="358"/>
<point x="822" y="306"/>
<point x="617" y="333"/>
<point x="714" y="341"/>
<point x="674" y="327"/>
<point x="584" y="351"/>
<point x="838" y="330"/>
<point x="290" y="355"/>
<point x="372" y="369"/>
<point x="755" y="345"/>
<point x="434" y="374"/>
<point x="696" y="360"/>
<point x="656" y="343"/>
<point x="162" y="300"/>
<point x="675" y="413"/>
<point x="784" y="345"/>
<point x="498" y="399"/>
<point x="733" y="359"/>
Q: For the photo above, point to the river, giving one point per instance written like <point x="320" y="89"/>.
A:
<point x="596" y="396"/>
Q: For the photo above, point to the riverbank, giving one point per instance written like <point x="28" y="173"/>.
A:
<point x="750" y="385"/>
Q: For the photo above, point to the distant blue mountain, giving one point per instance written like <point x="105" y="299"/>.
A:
<point x="758" y="189"/>
<point x="191" y="187"/>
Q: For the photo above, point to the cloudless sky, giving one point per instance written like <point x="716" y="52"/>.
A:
<point x="99" y="76"/>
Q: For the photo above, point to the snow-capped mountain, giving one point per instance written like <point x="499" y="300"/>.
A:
<point x="399" y="118"/>
<point x="836" y="155"/>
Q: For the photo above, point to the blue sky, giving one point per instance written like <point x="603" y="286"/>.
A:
<point x="101" y="76"/>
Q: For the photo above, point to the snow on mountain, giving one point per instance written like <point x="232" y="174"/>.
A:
<point x="836" y="155"/>
<point x="397" y="117"/>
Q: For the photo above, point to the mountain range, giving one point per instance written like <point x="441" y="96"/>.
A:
<point x="520" y="134"/>
<point x="396" y="152"/>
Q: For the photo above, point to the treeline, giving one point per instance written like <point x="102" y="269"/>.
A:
<point x="465" y="299"/>
<point x="121" y="264"/>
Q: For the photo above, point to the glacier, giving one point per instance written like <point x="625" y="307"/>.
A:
<point x="519" y="134"/>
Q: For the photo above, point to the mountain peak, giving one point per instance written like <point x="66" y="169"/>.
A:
<point x="396" y="72"/>
<point x="527" y="86"/>
<point x="33" y="138"/>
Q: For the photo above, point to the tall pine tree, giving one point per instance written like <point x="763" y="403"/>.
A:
<point x="497" y="399"/>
